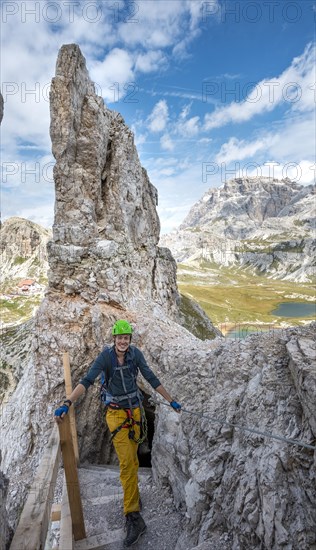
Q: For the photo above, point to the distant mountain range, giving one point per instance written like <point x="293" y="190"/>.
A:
<point x="264" y="224"/>
<point x="23" y="250"/>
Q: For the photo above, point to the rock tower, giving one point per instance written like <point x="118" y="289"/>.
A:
<point x="105" y="264"/>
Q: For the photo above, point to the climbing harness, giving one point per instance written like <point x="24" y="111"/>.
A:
<point x="130" y="419"/>
<point x="242" y="428"/>
<point x="129" y="422"/>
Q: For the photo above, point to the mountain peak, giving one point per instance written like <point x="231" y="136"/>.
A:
<point x="251" y="199"/>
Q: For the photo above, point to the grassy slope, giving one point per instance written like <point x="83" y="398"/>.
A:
<point x="18" y="308"/>
<point x="233" y="296"/>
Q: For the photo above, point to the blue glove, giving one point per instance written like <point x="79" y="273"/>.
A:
<point x="176" y="406"/>
<point x="62" y="410"/>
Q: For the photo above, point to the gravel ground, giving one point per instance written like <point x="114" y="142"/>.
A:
<point x="102" y="499"/>
<point x="163" y="521"/>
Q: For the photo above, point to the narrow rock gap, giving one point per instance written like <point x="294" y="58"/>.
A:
<point x="144" y="451"/>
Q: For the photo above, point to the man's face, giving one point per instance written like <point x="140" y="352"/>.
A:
<point x="122" y="342"/>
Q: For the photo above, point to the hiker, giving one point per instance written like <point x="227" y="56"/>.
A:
<point x="125" y="416"/>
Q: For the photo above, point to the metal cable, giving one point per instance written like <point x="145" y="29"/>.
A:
<point x="242" y="428"/>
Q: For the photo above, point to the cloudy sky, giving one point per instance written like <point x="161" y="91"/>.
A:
<point x="212" y="90"/>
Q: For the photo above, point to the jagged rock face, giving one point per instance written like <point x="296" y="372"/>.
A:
<point x="261" y="223"/>
<point x="104" y="264"/>
<point x="223" y="479"/>
<point x="106" y="223"/>
<point x="260" y="490"/>
<point x="5" y="531"/>
<point x="194" y="319"/>
<point x="15" y="345"/>
<point x="23" y="249"/>
<point x="251" y="199"/>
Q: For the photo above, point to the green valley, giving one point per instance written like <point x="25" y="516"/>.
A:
<point x="232" y="296"/>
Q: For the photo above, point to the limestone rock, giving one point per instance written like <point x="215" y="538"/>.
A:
<point x="15" y="344"/>
<point x="261" y="223"/>
<point x="250" y="200"/>
<point x="5" y="531"/>
<point x="193" y="318"/>
<point x="105" y="264"/>
<point x="106" y="223"/>
<point x="23" y="251"/>
<point x="256" y="489"/>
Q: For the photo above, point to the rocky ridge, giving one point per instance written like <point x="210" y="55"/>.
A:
<point x="105" y="264"/>
<point x="262" y="223"/>
<point x="23" y="251"/>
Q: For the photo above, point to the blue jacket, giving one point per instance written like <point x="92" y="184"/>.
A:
<point x="106" y="363"/>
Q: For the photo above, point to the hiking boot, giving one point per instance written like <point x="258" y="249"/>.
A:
<point x="140" y="509"/>
<point x="135" y="527"/>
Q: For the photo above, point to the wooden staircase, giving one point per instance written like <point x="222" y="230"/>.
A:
<point x="90" y="514"/>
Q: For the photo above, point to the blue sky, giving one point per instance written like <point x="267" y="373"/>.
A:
<point x="212" y="90"/>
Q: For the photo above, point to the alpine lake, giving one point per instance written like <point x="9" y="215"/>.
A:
<point x="240" y="303"/>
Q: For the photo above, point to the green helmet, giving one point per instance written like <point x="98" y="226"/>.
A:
<point x="121" y="327"/>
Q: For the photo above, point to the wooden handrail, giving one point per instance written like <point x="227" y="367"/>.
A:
<point x="72" y="480"/>
<point x="68" y="386"/>
<point x="66" y="541"/>
<point x="31" y="531"/>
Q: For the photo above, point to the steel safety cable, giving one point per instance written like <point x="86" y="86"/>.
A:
<point x="242" y="428"/>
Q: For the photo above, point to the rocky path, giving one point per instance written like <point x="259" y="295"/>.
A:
<point x="104" y="519"/>
<point x="102" y="500"/>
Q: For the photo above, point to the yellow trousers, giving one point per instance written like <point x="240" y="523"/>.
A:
<point x="126" y="450"/>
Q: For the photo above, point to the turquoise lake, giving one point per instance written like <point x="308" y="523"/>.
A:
<point x="285" y="309"/>
<point x="295" y="309"/>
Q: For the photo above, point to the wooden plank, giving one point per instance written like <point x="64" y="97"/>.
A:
<point x="68" y="386"/>
<point x="96" y="542"/>
<point x="31" y="531"/>
<point x="66" y="537"/>
<point x="55" y="513"/>
<point x="111" y="537"/>
<point x="72" y="480"/>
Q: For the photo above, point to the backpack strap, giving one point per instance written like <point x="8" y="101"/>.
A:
<point x="112" y="365"/>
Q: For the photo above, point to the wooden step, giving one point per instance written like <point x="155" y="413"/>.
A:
<point x="103" y="540"/>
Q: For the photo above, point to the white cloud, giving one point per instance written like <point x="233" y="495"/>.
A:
<point x="116" y="68"/>
<point x="43" y="214"/>
<point x="292" y="141"/>
<point x="158" y="118"/>
<point x="288" y="151"/>
<point x="188" y="128"/>
<point x="296" y="139"/>
<point x="302" y="172"/>
<point x="236" y="149"/>
<point x="295" y="87"/>
<point x="166" y="143"/>
<point x="185" y="111"/>
<point x="139" y="139"/>
<point x="150" y="61"/>
<point x="156" y="25"/>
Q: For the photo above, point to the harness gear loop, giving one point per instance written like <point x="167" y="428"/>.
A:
<point x="130" y="422"/>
